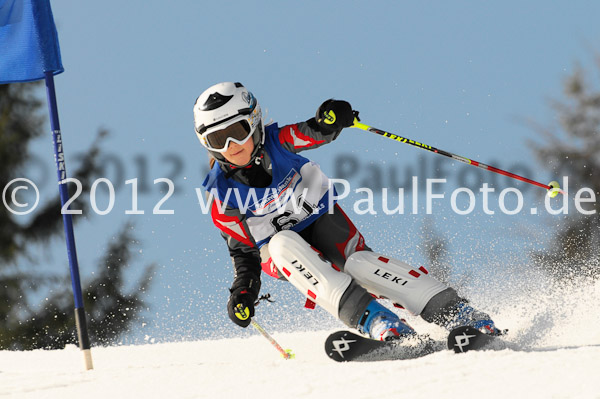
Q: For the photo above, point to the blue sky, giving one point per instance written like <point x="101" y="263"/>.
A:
<point x="456" y="75"/>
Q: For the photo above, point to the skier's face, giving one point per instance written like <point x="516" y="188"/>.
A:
<point x="239" y="154"/>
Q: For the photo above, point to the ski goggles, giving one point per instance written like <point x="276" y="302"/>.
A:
<point x="219" y="140"/>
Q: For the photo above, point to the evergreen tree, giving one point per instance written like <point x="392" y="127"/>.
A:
<point x="24" y="326"/>
<point x="573" y="149"/>
<point x="435" y="249"/>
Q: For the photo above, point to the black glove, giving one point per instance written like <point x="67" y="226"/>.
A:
<point x="334" y="115"/>
<point x="240" y="306"/>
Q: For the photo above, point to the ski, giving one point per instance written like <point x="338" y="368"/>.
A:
<point x="346" y="346"/>
<point x="464" y="339"/>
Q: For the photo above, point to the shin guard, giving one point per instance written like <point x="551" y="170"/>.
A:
<point x="394" y="280"/>
<point x="312" y="274"/>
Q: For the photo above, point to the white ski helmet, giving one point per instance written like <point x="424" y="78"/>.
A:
<point x="220" y="107"/>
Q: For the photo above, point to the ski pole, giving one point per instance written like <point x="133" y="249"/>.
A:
<point x="287" y="354"/>
<point x="553" y="187"/>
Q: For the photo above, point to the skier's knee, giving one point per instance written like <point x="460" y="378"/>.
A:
<point x="308" y="271"/>
<point x="267" y="264"/>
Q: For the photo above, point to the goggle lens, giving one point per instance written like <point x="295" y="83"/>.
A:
<point x="219" y="140"/>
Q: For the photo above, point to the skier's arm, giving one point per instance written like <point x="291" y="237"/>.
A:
<point x="246" y="262"/>
<point x="332" y="116"/>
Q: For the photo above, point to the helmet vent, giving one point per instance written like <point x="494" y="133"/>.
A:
<point x="215" y="101"/>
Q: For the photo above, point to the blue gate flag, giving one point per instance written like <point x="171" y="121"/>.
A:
<point x="28" y="41"/>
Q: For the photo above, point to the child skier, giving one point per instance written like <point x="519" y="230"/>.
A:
<point x="275" y="210"/>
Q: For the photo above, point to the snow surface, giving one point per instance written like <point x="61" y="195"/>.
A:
<point x="559" y="337"/>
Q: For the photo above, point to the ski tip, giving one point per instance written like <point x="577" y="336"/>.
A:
<point x="336" y="344"/>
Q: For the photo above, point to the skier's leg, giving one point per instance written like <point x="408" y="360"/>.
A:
<point x="334" y="291"/>
<point x="416" y="291"/>
<point x="337" y="238"/>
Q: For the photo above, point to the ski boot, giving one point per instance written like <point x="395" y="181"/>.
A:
<point x="382" y="324"/>
<point x="465" y="315"/>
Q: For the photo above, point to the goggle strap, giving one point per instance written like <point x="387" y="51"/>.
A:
<point x="244" y="111"/>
